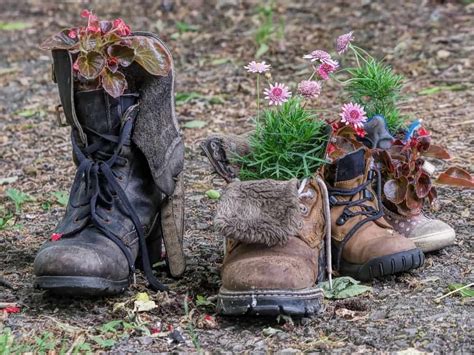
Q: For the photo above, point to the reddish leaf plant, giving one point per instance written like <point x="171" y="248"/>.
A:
<point x="101" y="48"/>
<point x="407" y="176"/>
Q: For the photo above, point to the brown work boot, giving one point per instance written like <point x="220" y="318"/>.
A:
<point x="275" y="248"/>
<point x="364" y="244"/>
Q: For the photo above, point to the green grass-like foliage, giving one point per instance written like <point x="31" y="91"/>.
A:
<point x="288" y="142"/>
<point x="376" y="87"/>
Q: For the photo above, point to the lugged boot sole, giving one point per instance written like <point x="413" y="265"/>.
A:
<point x="304" y="302"/>
<point x="81" y="285"/>
<point x="384" y="266"/>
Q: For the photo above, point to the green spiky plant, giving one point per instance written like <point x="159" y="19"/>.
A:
<point x="376" y="87"/>
<point x="288" y="142"/>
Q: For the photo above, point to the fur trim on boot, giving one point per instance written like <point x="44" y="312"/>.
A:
<point x="264" y="212"/>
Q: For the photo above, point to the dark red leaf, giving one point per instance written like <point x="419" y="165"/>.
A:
<point x="395" y="190"/>
<point x="91" y="64"/>
<point x="61" y="40"/>
<point x="456" y="176"/>
<point x="432" y="195"/>
<point x="113" y="83"/>
<point x="105" y="26"/>
<point x="124" y="54"/>
<point x="423" y="185"/>
<point x="436" y="151"/>
<point x="412" y="201"/>
<point x="151" y="55"/>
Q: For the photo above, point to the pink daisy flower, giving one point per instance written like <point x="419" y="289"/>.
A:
<point x="309" y="89"/>
<point x="343" y="41"/>
<point x="318" y="54"/>
<point x="353" y="114"/>
<point x="254" y="67"/>
<point x="277" y="94"/>
<point x="327" y="68"/>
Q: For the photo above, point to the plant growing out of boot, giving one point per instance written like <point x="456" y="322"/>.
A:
<point x="274" y="222"/>
<point x="101" y="50"/>
<point x="405" y="173"/>
<point x="364" y="245"/>
<point x="126" y="201"/>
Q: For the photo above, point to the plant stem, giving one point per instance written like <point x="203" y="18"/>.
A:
<point x="258" y="96"/>
<point x="454" y="291"/>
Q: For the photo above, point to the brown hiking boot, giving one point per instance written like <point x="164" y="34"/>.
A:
<point x="275" y="249"/>
<point x="364" y="244"/>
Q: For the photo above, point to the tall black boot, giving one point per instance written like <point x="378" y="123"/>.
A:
<point x="127" y="195"/>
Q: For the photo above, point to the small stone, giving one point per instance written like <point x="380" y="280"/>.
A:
<point x="289" y="351"/>
<point x="238" y="347"/>
<point x="411" y="331"/>
<point x="146" y="340"/>
<point x="443" y="54"/>
<point x="378" y="315"/>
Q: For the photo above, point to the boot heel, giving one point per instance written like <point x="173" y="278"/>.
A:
<point x="172" y="228"/>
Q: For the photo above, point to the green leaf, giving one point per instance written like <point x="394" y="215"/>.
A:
<point x="269" y="331"/>
<point x="6" y="221"/>
<point x="151" y="55"/>
<point x="185" y="27"/>
<point x="437" y="89"/>
<point x="220" y="61"/>
<point x="262" y="50"/>
<point x="184" y="97"/>
<point x="114" y="83"/>
<point x="103" y="343"/>
<point x="195" y="124"/>
<point x="202" y="301"/>
<point x="213" y="194"/>
<point x="91" y="64"/>
<point x="465" y="292"/>
<point x="60" y="40"/>
<point x="62" y="197"/>
<point x="111" y="327"/>
<point x="18" y="197"/>
<point x="124" y="54"/>
<point x="14" y="26"/>
<point x="30" y="113"/>
<point x="343" y="287"/>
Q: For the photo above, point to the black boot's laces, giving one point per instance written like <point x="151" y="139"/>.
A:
<point x="366" y="210"/>
<point x="95" y="168"/>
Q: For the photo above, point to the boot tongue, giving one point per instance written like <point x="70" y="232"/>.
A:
<point x="348" y="168"/>
<point x="100" y="112"/>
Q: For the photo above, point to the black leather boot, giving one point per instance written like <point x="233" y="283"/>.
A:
<point x="127" y="196"/>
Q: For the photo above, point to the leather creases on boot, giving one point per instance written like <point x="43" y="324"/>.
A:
<point x="220" y="149"/>
<point x="364" y="244"/>
<point x="127" y="198"/>
<point x="275" y="247"/>
<point x="113" y="205"/>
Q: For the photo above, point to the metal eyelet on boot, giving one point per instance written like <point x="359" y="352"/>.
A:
<point x="341" y="220"/>
<point x="304" y="209"/>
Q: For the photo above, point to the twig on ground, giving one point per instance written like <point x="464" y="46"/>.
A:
<point x="450" y="293"/>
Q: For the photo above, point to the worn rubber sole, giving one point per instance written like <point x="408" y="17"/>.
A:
<point x="384" y="265"/>
<point x="305" y="302"/>
<point x="434" y="241"/>
<point x="80" y="285"/>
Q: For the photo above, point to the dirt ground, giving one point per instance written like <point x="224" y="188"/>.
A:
<point x="430" y="42"/>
